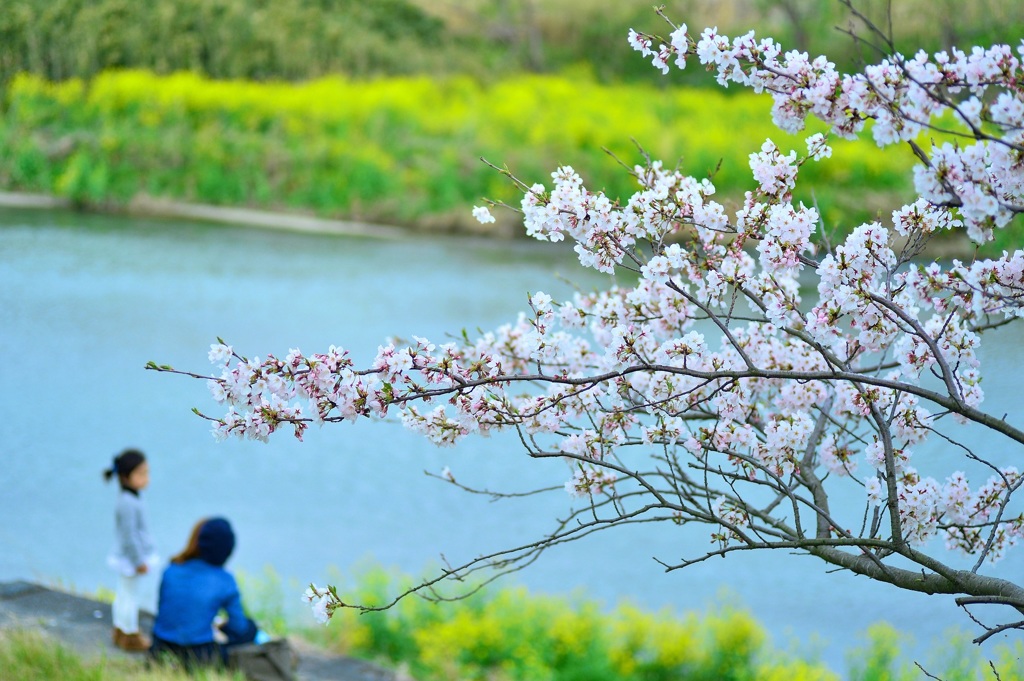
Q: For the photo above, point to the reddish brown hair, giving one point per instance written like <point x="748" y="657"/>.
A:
<point x="191" y="550"/>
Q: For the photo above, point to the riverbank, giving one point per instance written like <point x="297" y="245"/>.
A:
<point x="507" y="227"/>
<point x="149" y="207"/>
<point x="84" y="624"/>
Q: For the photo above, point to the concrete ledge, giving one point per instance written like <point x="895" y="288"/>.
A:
<point x="164" y="208"/>
<point x="260" y="218"/>
<point x="21" y="200"/>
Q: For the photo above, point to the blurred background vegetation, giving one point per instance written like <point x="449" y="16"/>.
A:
<point x="296" y="40"/>
<point x="381" y="110"/>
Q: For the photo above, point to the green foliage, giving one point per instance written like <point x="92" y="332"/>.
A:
<point x="302" y="39"/>
<point x="879" y="660"/>
<point x="1008" y="664"/>
<point x="404" y="150"/>
<point x="263" y="598"/>
<point x="509" y="634"/>
<point x="957" y="660"/>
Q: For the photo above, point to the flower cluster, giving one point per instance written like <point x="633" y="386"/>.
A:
<point x="590" y="481"/>
<point x="323" y="600"/>
<point x="733" y="520"/>
<point x="902" y="97"/>
<point x="971" y="521"/>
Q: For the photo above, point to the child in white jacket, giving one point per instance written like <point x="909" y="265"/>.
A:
<point x="134" y="554"/>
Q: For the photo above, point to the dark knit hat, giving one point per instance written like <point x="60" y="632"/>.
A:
<point x="216" y="541"/>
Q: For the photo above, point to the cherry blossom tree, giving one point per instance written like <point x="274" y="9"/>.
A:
<point x="718" y="391"/>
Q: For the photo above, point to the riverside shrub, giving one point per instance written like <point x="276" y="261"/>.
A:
<point x="403" y="150"/>
<point x="510" y="634"/>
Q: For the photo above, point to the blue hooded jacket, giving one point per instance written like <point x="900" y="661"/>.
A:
<point x="193" y="592"/>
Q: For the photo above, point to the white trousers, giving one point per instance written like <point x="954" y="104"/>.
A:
<point x="125" y="610"/>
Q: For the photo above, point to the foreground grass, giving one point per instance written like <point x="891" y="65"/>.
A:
<point x="31" y="656"/>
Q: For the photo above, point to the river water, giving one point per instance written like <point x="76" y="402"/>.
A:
<point x="86" y="301"/>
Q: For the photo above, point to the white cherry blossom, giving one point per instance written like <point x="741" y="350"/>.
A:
<point x="739" y="369"/>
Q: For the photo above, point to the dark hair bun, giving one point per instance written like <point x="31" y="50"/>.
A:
<point x="124" y="464"/>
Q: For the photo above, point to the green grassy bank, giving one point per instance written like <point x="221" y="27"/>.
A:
<point x="397" y="150"/>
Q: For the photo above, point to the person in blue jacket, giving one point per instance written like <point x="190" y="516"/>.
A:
<point x="194" y="590"/>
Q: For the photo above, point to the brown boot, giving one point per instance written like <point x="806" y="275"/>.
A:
<point x="135" y="642"/>
<point x="117" y="637"/>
